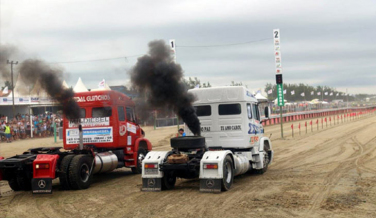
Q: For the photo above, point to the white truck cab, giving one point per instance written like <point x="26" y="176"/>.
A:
<point x="231" y="143"/>
<point x="229" y="117"/>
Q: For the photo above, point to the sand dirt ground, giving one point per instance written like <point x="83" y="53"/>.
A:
<point x="330" y="172"/>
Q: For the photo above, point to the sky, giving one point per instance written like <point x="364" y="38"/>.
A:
<point x="330" y="43"/>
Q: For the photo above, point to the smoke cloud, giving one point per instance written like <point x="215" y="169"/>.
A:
<point x="50" y="79"/>
<point x="6" y="53"/>
<point x="158" y="75"/>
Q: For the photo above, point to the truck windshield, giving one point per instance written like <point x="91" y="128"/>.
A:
<point x="204" y="110"/>
<point x="101" y="112"/>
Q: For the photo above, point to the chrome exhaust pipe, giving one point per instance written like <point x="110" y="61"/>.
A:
<point x="81" y="140"/>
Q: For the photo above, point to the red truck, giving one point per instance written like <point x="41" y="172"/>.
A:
<point x="106" y="137"/>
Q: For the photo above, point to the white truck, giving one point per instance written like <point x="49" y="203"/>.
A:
<point x="232" y="142"/>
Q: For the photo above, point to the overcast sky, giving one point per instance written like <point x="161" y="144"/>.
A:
<point x="322" y="42"/>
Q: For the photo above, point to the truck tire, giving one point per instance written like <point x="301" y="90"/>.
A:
<point x="24" y="183"/>
<point x="64" y="172"/>
<point x="266" y="163"/>
<point x="188" y="142"/>
<point x="14" y="184"/>
<point x="168" y="180"/>
<point x="141" y="154"/>
<point x="79" y="172"/>
<point x="228" y="173"/>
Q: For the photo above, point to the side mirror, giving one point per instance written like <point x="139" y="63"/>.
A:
<point x="267" y="112"/>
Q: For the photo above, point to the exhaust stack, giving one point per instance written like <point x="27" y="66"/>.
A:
<point x="81" y="140"/>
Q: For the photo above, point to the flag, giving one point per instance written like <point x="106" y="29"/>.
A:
<point x="293" y="92"/>
<point x="284" y="91"/>
<point x="102" y="84"/>
<point x="312" y="93"/>
<point x="302" y="94"/>
<point x="319" y="93"/>
<point x="5" y="91"/>
<point x="326" y="93"/>
<point x="270" y="91"/>
<point x="331" y="93"/>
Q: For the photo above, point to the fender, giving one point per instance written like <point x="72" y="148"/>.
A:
<point x="137" y="145"/>
<point x="154" y="157"/>
<point x="214" y="157"/>
<point x="47" y="171"/>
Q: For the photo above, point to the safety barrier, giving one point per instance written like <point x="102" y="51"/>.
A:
<point x="347" y="112"/>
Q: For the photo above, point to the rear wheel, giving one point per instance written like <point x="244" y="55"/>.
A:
<point x="24" y="183"/>
<point x="228" y="174"/>
<point x="64" y="172"/>
<point x="80" y="176"/>
<point x="14" y="184"/>
<point x="168" y="180"/>
<point x="141" y="153"/>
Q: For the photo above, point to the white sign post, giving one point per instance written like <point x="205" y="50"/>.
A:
<point x="173" y="49"/>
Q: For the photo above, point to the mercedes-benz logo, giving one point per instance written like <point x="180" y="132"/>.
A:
<point x="42" y="184"/>
<point x="151" y="182"/>
<point x="209" y="183"/>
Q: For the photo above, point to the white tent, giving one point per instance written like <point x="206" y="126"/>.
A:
<point x="80" y="86"/>
<point x="21" y="89"/>
<point x="38" y="91"/>
<point x="65" y="85"/>
<point x="260" y="98"/>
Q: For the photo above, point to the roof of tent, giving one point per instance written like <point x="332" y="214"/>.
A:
<point x="260" y="97"/>
<point x="80" y="86"/>
<point x="21" y="89"/>
<point x="65" y="85"/>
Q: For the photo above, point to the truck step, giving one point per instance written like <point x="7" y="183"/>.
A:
<point x="129" y="160"/>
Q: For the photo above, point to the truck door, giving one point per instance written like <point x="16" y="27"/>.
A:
<point x="132" y="127"/>
<point x="122" y="126"/>
<point x="256" y="129"/>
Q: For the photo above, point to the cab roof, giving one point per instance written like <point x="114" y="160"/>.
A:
<point x="222" y="94"/>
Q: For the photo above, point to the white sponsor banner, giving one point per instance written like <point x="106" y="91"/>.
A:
<point x="91" y="122"/>
<point x="90" y="135"/>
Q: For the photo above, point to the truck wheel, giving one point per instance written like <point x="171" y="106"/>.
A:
<point x="79" y="172"/>
<point x="14" y="184"/>
<point x="228" y="174"/>
<point x="24" y="183"/>
<point x="64" y="172"/>
<point x="266" y="163"/>
<point x="168" y="180"/>
<point x="141" y="153"/>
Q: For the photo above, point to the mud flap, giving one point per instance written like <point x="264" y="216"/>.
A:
<point x="210" y="185"/>
<point x="151" y="184"/>
<point x="41" y="186"/>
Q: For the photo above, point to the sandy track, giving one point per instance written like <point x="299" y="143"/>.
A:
<point x="325" y="173"/>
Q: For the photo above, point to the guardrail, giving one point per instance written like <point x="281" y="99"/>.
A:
<point x="287" y="117"/>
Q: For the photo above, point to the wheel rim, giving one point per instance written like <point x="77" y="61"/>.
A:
<point x="228" y="172"/>
<point x="84" y="172"/>
<point x="141" y="158"/>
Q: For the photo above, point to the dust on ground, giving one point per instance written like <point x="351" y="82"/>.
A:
<point x="329" y="172"/>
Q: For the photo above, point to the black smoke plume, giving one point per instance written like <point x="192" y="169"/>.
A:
<point x="50" y="79"/>
<point x="158" y="75"/>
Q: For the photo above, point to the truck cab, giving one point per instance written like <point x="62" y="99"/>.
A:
<point x="229" y="117"/>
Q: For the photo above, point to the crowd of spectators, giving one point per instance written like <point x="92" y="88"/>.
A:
<point x="21" y="126"/>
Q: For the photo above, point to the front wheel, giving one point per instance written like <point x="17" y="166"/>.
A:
<point x="228" y="174"/>
<point x="265" y="164"/>
<point x="141" y="154"/>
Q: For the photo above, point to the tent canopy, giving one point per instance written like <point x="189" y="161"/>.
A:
<point x="80" y="86"/>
